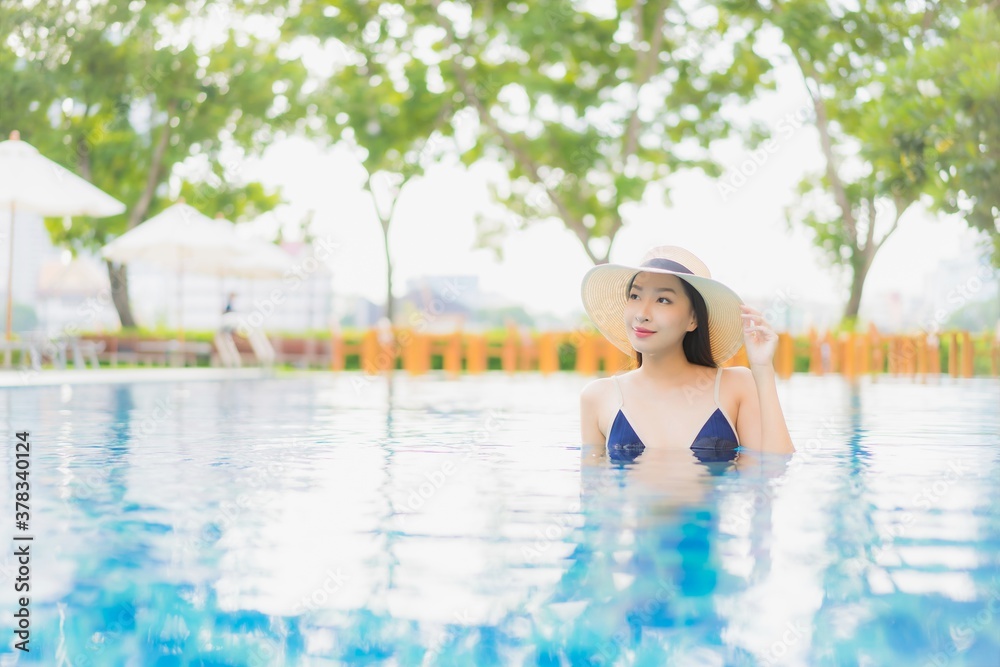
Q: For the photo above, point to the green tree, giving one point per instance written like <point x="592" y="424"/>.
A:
<point x="585" y="111"/>
<point x="381" y="98"/>
<point x="943" y="106"/>
<point x="851" y="59"/>
<point x="147" y="98"/>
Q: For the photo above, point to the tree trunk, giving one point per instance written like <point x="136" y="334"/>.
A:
<point x="859" y="271"/>
<point x="389" y="303"/>
<point x="119" y="275"/>
<point x="385" y="219"/>
<point x="119" y="293"/>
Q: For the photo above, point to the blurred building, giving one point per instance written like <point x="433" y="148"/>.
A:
<point x="352" y="310"/>
<point x="447" y="302"/>
<point x="955" y="286"/>
<point x="442" y="295"/>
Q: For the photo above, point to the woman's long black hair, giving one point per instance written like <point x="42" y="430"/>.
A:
<point x="696" y="344"/>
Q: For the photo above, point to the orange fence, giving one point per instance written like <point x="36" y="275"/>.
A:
<point x="847" y="354"/>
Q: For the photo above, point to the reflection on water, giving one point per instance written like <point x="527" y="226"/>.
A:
<point x="345" y="519"/>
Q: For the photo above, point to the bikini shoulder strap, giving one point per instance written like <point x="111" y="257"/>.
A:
<point x="718" y="377"/>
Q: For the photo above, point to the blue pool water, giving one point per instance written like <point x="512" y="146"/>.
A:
<point x="345" y="520"/>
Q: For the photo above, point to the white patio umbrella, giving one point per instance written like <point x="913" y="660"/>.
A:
<point x="31" y="182"/>
<point x="253" y="259"/>
<point x="179" y="238"/>
<point x="250" y="258"/>
<point x="260" y="260"/>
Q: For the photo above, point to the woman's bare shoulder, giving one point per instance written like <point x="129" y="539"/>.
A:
<point x="601" y="393"/>
<point x="596" y="390"/>
<point x="737" y="374"/>
<point x="736" y="381"/>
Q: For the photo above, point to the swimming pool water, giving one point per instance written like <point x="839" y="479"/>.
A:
<point x="343" y="519"/>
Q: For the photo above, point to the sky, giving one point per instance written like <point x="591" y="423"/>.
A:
<point x="740" y="234"/>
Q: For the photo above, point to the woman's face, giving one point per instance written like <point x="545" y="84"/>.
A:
<point x="658" y="303"/>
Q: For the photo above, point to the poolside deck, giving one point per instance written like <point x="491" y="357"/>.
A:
<point x="31" y="378"/>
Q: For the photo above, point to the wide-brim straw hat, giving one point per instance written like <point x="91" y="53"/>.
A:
<point x="604" y="298"/>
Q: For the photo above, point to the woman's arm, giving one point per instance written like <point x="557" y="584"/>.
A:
<point x="761" y="424"/>
<point x="773" y="429"/>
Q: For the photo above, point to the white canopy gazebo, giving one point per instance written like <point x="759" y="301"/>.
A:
<point x="31" y="182"/>
<point x="180" y="239"/>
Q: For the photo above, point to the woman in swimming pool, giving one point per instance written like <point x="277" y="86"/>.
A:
<point x="681" y="324"/>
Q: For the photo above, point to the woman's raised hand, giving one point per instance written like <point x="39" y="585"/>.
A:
<point x="759" y="338"/>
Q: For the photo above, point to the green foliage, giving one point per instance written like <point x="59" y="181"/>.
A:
<point x="164" y="333"/>
<point x="567" y="357"/>
<point x="847" y="324"/>
<point x="585" y="111"/>
<point x="867" y="68"/>
<point x="800" y="362"/>
<point x="232" y="202"/>
<point x="119" y="93"/>
<point x="941" y="116"/>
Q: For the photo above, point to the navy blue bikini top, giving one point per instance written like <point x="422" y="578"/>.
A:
<point x="715" y="442"/>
